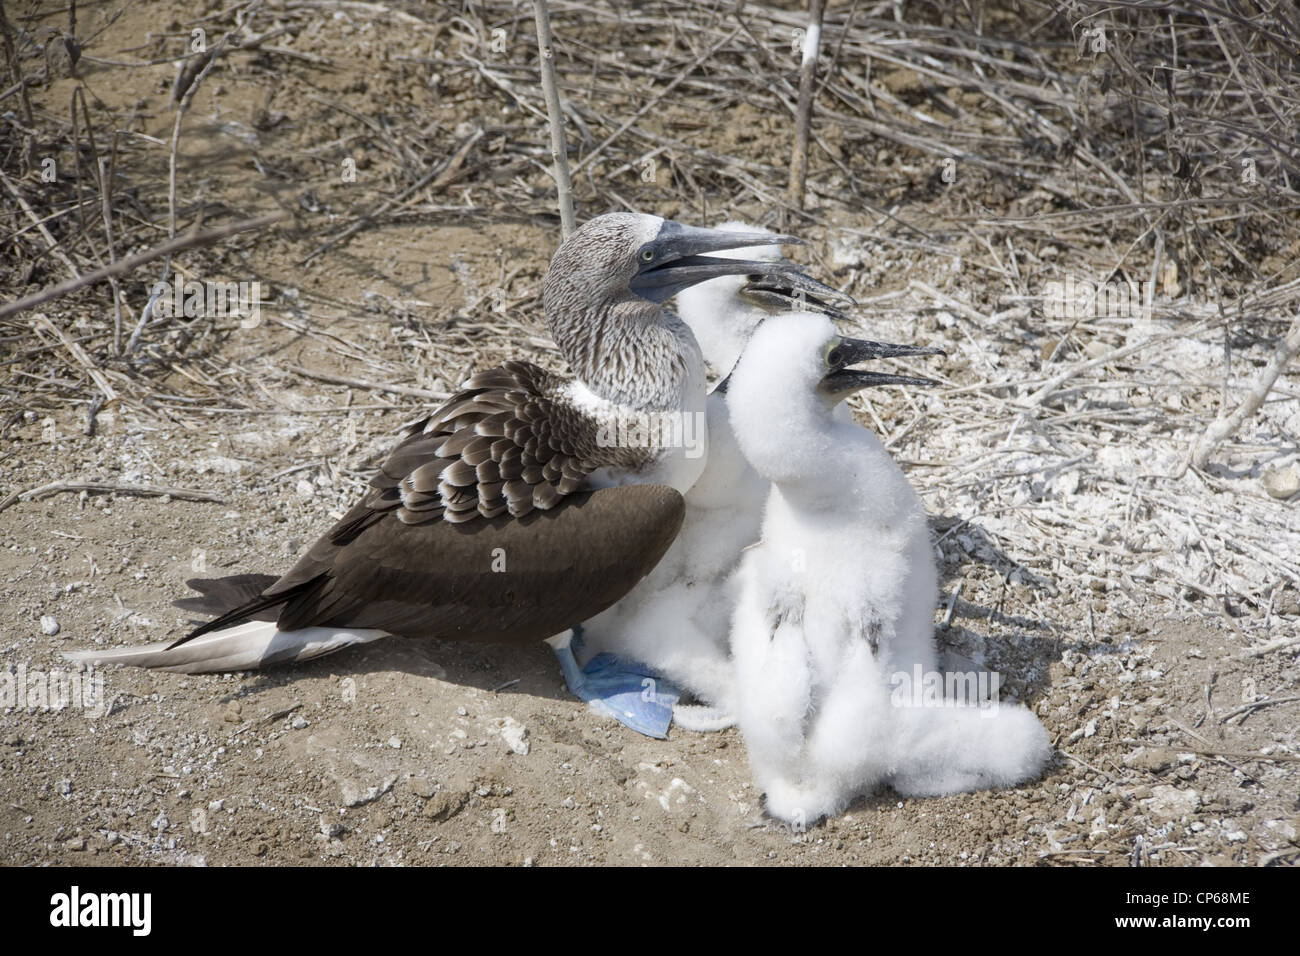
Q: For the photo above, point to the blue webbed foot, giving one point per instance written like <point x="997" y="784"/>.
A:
<point x="630" y="692"/>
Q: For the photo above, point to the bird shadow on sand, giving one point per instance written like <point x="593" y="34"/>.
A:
<point x="987" y="629"/>
<point x="983" y="627"/>
<point x="504" y="669"/>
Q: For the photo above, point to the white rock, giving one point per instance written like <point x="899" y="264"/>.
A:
<point x="1281" y="483"/>
<point x="1171" y="803"/>
<point x="356" y="794"/>
<point x="49" y="626"/>
<point x="515" y="735"/>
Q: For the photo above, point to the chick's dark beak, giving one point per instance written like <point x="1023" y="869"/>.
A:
<point x="795" y="290"/>
<point x="842" y="380"/>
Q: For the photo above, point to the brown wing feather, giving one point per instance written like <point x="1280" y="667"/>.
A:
<point x="501" y="450"/>
<point x="447" y="469"/>
<point x="503" y="579"/>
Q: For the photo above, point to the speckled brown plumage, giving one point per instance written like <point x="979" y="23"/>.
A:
<point x="508" y="442"/>
<point x="503" y="449"/>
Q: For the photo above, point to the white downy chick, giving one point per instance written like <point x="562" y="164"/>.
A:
<point x="839" y="596"/>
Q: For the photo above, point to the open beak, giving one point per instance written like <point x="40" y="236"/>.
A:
<point x="678" y="258"/>
<point x="842" y="380"/>
<point x="795" y="291"/>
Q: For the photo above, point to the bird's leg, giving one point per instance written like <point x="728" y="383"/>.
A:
<point x="562" y="645"/>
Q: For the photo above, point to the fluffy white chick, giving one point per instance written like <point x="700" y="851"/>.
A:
<point x="839" y="596"/>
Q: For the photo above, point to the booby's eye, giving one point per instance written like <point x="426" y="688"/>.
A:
<point x="647" y="255"/>
<point x="835" y="358"/>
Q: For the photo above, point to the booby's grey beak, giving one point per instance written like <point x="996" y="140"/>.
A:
<point x="678" y="258"/>
<point x="841" y="380"/>
<point x="794" y="290"/>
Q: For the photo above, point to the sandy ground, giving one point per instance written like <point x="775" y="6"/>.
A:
<point x="433" y="753"/>
<point x="395" y="753"/>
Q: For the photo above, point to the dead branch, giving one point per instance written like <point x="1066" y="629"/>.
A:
<point x="559" y="150"/>
<point x="193" y="241"/>
<point x="1226" y="425"/>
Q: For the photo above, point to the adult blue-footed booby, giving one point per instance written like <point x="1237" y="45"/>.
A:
<point x="506" y="515"/>
<point x="675" y="621"/>
<point x="839" y="596"/>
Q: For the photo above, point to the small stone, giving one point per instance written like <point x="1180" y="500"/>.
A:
<point x="423" y="787"/>
<point x="300" y="723"/>
<point x="1235" y="836"/>
<point x="76" y="844"/>
<point x="216" y="806"/>
<point x="445" y="804"/>
<point x="1281" y="483"/>
<point x="305" y="488"/>
<point x="515" y="736"/>
<point x="49" y="626"/>
<point x="354" y="796"/>
<point x="395" y="742"/>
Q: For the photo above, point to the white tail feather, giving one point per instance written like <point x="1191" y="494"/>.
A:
<point x="242" y="647"/>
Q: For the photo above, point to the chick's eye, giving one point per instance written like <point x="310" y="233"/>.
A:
<point x="647" y="255"/>
<point x="836" y="357"/>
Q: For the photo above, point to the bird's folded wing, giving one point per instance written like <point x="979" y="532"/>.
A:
<point x="503" y="445"/>
<point x="497" y="469"/>
<point x="500" y="579"/>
